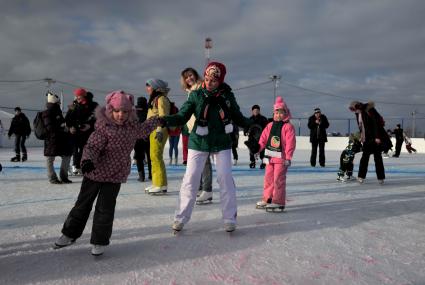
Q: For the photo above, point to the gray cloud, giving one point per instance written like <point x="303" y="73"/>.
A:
<point x="365" y="50"/>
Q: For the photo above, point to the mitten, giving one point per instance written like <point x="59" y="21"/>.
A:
<point x="87" y="166"/>
<point x="253" y="146"/>
<point x="287" y="162"/>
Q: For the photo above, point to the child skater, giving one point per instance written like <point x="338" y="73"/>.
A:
<point x="214" y="107"/>
<point x="105" y="165"/>
<point x="346" y="159"/>
<point x="408" y="143"/>
<point x="278" y="140"/>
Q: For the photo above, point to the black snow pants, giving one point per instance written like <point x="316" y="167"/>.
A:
<point x="103" y="217"/>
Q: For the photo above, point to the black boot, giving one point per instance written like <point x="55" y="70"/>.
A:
<point x="16" y="158"/>
<point x="141" y="176"/>
<point x="24" y="157"/>
<point x="252" y="164"/>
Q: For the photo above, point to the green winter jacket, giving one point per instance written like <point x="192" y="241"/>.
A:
<point x="217" y="139"/>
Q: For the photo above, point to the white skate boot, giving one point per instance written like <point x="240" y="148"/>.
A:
<point x="63" y="241"/>
<point x="229" y="227"/>
<point x="204" y="198"/>
<point x="98" y="249"/>
<point x="157" y="190"/>
<point x="177" y="226"/>
<point x="261" y="205"/>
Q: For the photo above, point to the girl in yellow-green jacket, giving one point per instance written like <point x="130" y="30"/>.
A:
<point x="158" y="105"/>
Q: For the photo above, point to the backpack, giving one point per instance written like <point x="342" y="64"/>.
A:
<point x="40" y="130"/>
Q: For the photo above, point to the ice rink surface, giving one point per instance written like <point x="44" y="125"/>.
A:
<point x="331" y="232"/>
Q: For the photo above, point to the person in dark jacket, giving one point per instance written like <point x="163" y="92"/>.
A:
<point x="20" y="127"/>
<point x="373" y="137"/>
<point x="141" y="148"/>
<point x="261" y="121"/>
<point x="57" y="140"/>
<point x="398" y="133"/>
<point x="318" y="123"/>
<point x="80" y="120"/>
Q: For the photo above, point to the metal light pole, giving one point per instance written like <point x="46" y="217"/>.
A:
<point x="275" y="79"/>
<point x="208" y="47"/>
<point x="413" y="124"/>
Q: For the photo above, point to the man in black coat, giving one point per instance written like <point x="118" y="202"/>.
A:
<point x="318" y="123"/>
<point x="20" y="127"/>
<point x="398" y="133"/>
<point x="259" y="122"/>
<point x="57" y="142"/>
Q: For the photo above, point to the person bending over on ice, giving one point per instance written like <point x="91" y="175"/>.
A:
<point x="278" y="140"/>
<point x="214" y="106"/>
<point x="105" y="165"/>
<point x="346" y="159"/>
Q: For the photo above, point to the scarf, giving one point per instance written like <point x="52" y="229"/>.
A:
<point x="212" y="99"/>
<point x="274" y="142"/>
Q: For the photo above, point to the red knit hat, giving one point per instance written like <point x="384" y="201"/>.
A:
<point x="80" y="92"/>
<point x="216" y="70"/>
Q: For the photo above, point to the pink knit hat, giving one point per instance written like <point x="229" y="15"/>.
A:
<point x="280" y="104"/>
<point x="216" y="70"/>
<point x="119" y="100"/>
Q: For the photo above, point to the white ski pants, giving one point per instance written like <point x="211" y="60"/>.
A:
<point x="191" y="180"/>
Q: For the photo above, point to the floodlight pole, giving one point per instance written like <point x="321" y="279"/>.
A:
<point x="208" y="47"/>
<point x="275" y="79"/>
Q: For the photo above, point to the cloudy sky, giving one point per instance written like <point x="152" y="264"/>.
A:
<point x="328" y="52"/>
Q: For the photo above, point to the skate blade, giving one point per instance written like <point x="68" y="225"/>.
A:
<point x="260" y="207"/>
<point x="157" y="193"/>
<point x="56" y="246"/>
<point x="275" y="210"/>
<point x="204" y="202"/>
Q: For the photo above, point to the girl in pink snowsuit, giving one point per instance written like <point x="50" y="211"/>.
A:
<point x="278" y="140"/>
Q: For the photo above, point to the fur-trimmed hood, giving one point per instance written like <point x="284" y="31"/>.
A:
<point x="103" y="117"/>
<point x="357" y="105"/>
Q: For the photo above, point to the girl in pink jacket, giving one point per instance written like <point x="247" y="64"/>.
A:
<point x="105" y="164"/>
<point x="278" y="140"/>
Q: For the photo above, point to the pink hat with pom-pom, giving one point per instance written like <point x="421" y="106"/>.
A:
<point x="119" y="100"/>
<point x="279" y="103"/>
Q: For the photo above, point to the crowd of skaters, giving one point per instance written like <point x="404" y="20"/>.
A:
<point x="100" y="140"/>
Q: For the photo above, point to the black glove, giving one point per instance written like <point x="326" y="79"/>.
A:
<point x="87" y="166"/>
<point x="253" y="146"/>
<point x="161" y="122"/>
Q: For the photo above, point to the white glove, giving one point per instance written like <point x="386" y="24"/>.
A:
<point x="287" y="162"/>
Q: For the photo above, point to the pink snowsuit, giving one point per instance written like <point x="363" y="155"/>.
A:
<point x="275" y="176"/>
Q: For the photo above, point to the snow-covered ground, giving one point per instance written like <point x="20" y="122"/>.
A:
<point x="331" y="232"/>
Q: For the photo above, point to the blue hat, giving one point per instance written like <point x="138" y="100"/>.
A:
<point x="158" y="84"/>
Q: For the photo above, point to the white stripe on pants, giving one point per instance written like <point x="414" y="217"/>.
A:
<point x="191" y="180"/>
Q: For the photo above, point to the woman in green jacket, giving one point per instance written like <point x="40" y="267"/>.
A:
<point x="214" y="107"/>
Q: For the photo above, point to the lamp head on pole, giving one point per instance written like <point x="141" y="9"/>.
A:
<point x="208" y="43"/>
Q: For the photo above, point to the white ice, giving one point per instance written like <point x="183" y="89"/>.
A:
<point x="331" y="232"/>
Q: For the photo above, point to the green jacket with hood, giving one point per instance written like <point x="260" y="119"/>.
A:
<point x="216" y="139"/>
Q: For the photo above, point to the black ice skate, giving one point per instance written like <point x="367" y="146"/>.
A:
<point x="262" y="165"/>
<point x="16" y="158"/>
<point x="252" y="164"/>
<point x="24" y="157"/>
<point x="275" y="208"/>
